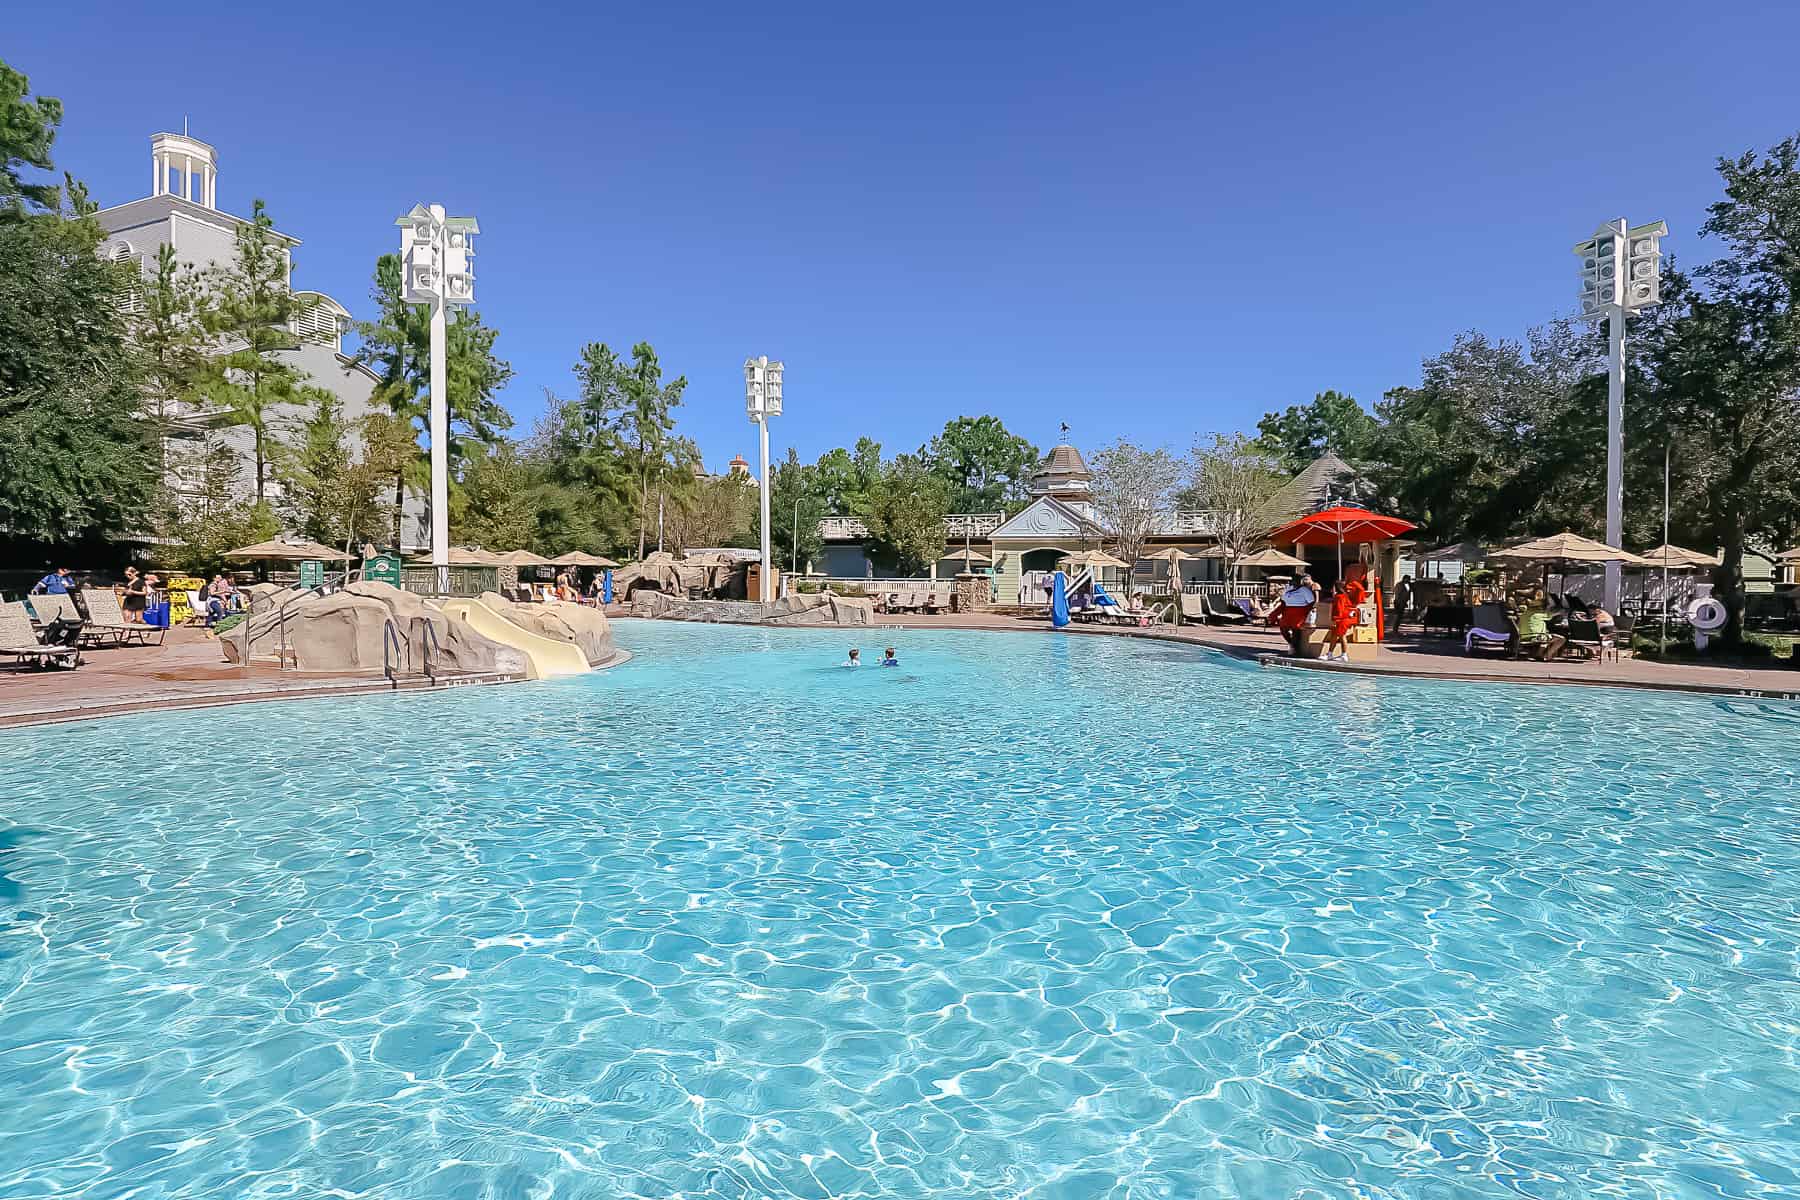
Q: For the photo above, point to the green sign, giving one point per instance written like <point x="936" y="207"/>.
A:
<point x="312" y="573"/>
<point x="382" y="568"/>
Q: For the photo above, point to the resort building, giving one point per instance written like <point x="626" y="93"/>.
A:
<point x="182" y="212"/>
<point x="1020" y="550"/>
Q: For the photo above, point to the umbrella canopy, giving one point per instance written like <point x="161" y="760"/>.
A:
<point x="1271" y="558"/>
<point x="1568" y="547"/>
<point x="520" y="558"/>
<point x="1789" y="555"/>
<point x="1679" y="558"/>
<point x="581" y="558"/>
<point x="296" y="551"/>
<point x="1462" y="552"/>
<point x="1091" y="559"/>
<point x="1341" y="526"/>
<point x="969" y="556"/>
<point x="463" y="556"/>
<point x="1174" y="554"/>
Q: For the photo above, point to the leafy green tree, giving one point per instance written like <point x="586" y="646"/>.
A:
<point x="986" y="467"/>
<point x="844" y="478"/>
<point x="1302" y="433"/>
<point x="328" y="493"/>
<point x="76" y="465"/>
<point x="1722" y="368"/>
<point x="584" y="493"/>
<point x="27" y="131"/>
<point x="632" y="403"/>
<point x="495" y="506"/>
<point x="904" y="509"/>
<point x="795" y="509"/>
<point x="397" y="347"/>
<point x="249" y="313"/>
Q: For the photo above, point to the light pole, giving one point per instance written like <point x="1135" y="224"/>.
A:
<point x="434" y="259"/>
<point x="762" y="400"/>
<point x="1621" y="272"/>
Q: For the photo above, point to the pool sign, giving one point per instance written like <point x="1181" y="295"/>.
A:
<point x="382" y="568"/>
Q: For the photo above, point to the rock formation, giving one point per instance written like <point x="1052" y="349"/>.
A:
<point x="345" y="630"/>
<point x="823" y="608"/>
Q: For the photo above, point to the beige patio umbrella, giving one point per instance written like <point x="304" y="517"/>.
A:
<point x="462" y="556"/>
<point x="1790" y="555"/>
<point x="285" y="551"/>
<point x="969" y="556"/>
<point x="1568" y="548"/>
<point x="1679" y="558"/>
<point x="1092" y="559"/>
<point x="581" y="558"/>
<point x="1271" y="559"/>
<point x="521" y="558"/>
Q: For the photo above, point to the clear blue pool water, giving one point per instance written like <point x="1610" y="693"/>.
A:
<point x="1063" y="918"/>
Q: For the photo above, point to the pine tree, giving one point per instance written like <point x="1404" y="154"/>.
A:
<point x="171" y="340"/>
<point x="251" y="312"/>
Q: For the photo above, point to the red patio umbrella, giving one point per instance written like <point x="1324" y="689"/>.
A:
<point x="1344" y="526"/>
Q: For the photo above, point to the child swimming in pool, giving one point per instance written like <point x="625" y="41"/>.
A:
<point x="890" y="660"/>
<point x="855" y="659"/>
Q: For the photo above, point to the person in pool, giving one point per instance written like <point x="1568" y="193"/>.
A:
<point x="855" y="659"/>
<point x="890" y="660"/>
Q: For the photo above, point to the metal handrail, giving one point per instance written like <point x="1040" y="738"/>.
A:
<point x="390" y="636"/>
<point x="429" y="645"/>
<point x="318" y="589"/>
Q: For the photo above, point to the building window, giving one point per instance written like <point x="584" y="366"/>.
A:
<point x="317" y="323"/>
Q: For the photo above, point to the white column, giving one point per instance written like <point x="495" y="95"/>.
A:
<point x="187" y="178"/>
<point x="440" y="428"/>
<point x="212" y="186"/>
<point x="1615" y="422"/>
<point x="156" y="173"/>
<point x="768" y="591"/>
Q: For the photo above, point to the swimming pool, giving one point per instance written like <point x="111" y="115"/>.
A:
<point x="1058" y="917"/>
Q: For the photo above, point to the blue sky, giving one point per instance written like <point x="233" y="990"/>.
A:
<point x="1146" y="220"/>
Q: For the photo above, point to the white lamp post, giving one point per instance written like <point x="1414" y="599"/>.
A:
<point x="762" y="400"/>
<point x="435" y="270"/>
<point x="1621" y="272"/>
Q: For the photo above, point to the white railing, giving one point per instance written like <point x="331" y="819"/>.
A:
<point x="956" y="526"/>
<point x="972" y="525"/>
<point x="1229" y="590"/>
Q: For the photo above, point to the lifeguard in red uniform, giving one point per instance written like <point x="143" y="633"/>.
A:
<point x="1297" y="604"/>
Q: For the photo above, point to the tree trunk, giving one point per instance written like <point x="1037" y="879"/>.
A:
<point x="399" y="503"/>
<point x="1728" y="576"/>
<point x="259" y="465"/>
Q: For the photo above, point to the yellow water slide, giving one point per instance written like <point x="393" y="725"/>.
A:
<point x="545" y="657"/>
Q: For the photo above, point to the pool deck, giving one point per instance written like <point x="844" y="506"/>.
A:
<point x="1416" y="656"/>
<point x="187" y="671"/>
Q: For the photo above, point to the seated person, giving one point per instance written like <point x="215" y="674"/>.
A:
<point x="1535" y="638"/>
<point x="890" y="660"/>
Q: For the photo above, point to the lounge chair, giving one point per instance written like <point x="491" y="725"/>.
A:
<point x="1491" y="629"/>
<point x="1217" y="610"/>
<point x="19" y="642"/>
<point x="104" y="614"/>
<point x="1192" y="607"/>
<point x="1585" y="636"/>
<point x="47" y="609"/>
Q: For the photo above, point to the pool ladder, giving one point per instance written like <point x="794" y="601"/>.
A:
<point x="394" y="653"/>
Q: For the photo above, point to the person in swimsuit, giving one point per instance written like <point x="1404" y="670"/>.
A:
<point x="890" y="660"/>
<point x="855" y="659"/>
